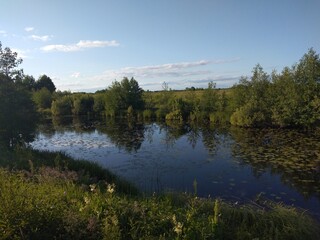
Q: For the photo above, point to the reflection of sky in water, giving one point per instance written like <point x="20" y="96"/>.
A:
<point x="164" y="164"/>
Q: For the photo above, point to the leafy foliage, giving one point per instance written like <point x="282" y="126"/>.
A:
<point x="17" y="113"/>
<point x="45" y="82"/>
<point x="82" y="104"/>
<point x="62" y="106"/>
<point x="121" y="95"/>
<point x="9" y="61"/>
<point x="43" y="98"/>
<point x="289" y="99"/>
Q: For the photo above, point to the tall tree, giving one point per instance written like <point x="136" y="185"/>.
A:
<point x="45" y="82"/>
<point x="17" y="113"/>
<point x="29" y="82"/>
<point x="9" y="61"/>
<point x="307" y="78"/>
<point x="122" y="95"/>
<point x="255" y="111"/>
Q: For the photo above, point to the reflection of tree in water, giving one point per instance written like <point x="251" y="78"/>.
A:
<point x="173" y="131"/>
<point x="293" y="155"/>
<point x="149" y="130"/>
<point x="124" y="134"/>
<point x="210" y="139"/>
<point x="193" y="134"/>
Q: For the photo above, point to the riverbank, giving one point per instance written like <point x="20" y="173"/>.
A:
<point x="49" y="195"/>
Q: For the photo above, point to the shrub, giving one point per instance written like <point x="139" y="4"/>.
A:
<point x="62" y="106"/>
<point x="147" y="114"/>
<point x="174" y="115"/>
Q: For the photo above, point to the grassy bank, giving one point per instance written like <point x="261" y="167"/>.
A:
<point x="50" y="196"/>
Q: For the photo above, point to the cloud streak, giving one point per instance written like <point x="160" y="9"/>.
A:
<point x="81" y="45"/>
<point x="162" y="70"/>
<point x="44" y="38"/>
<point x="150" y="77"/>
<point x="75" y="75"/>
<point x="29" y="29"/>
<point x="3" y="33"/>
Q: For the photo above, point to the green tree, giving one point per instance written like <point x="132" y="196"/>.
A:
<point x="121" y="95"/>
<point x="43" y="98"/>
<point x="99" y="103"/>
<point x="17" y="113"/>
<point x="285" y="94"/>
<point x="45" y="82"/>
<point x="29" y="82"/>
<point x="209" y="99"/>
<point x="62" y="106"/>
<point x="307" y="77"/>
<point x="255" y="110"/>
<point x="83" y="104"/>
<point x="9" y="62"/>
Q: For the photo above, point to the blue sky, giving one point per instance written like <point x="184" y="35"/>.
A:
<point x="85" y="45"/>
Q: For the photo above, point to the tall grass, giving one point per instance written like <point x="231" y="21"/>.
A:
<point x="60" y="198"/>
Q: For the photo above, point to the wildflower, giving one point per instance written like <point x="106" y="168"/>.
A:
<point x="92" y="187"/>
<point x="86" y="200"/>
<point x="110" y="188"/>
<point x="177" y="225"/>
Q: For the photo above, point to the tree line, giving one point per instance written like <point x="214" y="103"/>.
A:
<point x="290" y="98"/>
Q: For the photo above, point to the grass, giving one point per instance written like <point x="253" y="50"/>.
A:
<point x="60" y="198"/>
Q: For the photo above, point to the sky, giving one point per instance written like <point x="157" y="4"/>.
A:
<point x="85" y="45"/>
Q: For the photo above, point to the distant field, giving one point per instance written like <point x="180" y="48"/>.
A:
<point x="185" y="94"/>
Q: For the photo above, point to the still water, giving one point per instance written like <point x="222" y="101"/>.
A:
<point x="232" y="163"/>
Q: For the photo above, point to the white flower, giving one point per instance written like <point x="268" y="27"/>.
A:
<point x="92" y="187"/>
<point x="110" y="188"/>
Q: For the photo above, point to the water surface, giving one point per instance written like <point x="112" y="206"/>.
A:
<point x="232" y="163"/>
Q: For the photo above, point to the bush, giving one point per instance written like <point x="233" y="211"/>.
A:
<point x="62" y="106"/>
<point x="42" y="98"/>
<point x="83" y="104"/>
<point x="175" y="115"/>
<point x="147" y="114"/>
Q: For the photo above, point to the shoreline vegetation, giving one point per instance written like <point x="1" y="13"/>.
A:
<point x="52" y="196"/>
<point x="290" y="99"/>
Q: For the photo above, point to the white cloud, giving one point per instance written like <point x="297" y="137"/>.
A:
<point x="150" y="77"/>
<point x="176" y="74"/>
<point x="163" y="70"/>
<point x="29" y="29"/>
<point x="3" y="33"/>
<point x="75" y="75"/>
<point x="40" y="38"/>
<point x="79" y="46"/>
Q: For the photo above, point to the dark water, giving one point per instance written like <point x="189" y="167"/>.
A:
<point x="232" y="163"/>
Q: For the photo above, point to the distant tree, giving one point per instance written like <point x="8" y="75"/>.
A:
<point x="9" y="61"/>
<point x="121" y="95"/>
<point x="45" y="82"/>
<point x="131" y="94"/>
<point x="62" y="106"/>
<point x="209" y="99"/>
<point x="165" y="86"/>
<point x="99" y="102"/>
<point x="83" y="104"/>
<point x="255" y="110"/>
<point x="42" y="98"/>
<point x="29" y="82"/>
